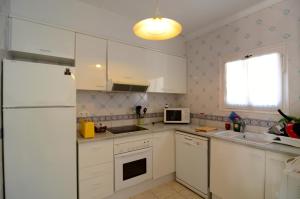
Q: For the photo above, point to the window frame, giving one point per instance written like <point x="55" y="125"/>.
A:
<point x="279" y="48"/>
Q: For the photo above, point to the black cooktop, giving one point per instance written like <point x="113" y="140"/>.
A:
<point x="125" y="129"/>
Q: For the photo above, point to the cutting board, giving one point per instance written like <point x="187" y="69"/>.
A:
<point x="205" y="129"/>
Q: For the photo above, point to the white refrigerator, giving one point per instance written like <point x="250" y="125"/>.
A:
<point x="39" y="129"/>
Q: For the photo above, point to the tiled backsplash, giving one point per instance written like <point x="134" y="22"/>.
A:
<point x="223" y="119"/>
<point x="117" y="105"/>
<point x="159" y="117"/>
<point x="116" y="109"/>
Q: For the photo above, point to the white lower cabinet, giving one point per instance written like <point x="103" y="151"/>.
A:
<point x="276" y="180"/>
<point x="96" y="173"/>
<point x="163" y="153"/>
<point x="237" y="171"/>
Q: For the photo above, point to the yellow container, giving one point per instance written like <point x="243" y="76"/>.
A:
<point x="87" y="129"/>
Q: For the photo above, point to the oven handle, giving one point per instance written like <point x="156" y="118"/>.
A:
<point x="139" y="151"/>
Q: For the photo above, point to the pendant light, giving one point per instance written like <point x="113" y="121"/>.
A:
<point x="157" y="27"/>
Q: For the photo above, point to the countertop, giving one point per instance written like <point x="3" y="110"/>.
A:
<point x="189" y="128"/>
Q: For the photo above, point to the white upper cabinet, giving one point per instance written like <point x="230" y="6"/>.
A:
<point x="164" y="73"/>
<point x="175" y="75"/>
<point x="28" y="37"/>
<point x="126" y="63"/>
<point x="90" y="61"/>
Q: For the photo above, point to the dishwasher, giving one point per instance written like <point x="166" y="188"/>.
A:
<point x="192" y="162"/>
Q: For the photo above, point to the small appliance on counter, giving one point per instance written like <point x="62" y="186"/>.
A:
<point x="176" y="115"/>
<point x="87" y="129"/>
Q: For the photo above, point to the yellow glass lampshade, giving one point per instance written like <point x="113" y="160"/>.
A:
<point x="157" y="28"/>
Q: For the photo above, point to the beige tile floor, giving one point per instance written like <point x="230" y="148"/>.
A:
<point x="171" y="190"/>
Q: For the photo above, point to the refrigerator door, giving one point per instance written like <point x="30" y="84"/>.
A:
<point x="40" y="153"/>
<point x="27" y="84"/>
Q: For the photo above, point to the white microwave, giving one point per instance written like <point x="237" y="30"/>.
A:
<point x="176" y="115"/>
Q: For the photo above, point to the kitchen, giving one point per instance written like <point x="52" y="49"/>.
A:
<point x="76" y="64"/>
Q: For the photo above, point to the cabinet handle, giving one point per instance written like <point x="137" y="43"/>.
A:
<point x="99" y="86"/>
<point x="97" y="147"/>
<point x="96" y="185"/>
<point x="190" y="139"/>
<point x="127" y="77"/>
<point x="187" y="143"/>
<point x="45" y="50"/>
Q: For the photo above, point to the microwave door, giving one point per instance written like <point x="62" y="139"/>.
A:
<point x="174" y="116"/>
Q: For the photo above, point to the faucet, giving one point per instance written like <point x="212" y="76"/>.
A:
<point x="243" y="127"/>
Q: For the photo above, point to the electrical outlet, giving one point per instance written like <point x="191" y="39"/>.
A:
<point x="84" y="114"/>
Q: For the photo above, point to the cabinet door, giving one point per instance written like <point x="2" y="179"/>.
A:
<point x="35" y="38"/>
<point x="96" y="182"/>
<point x="156" y="65"/>
<point x="276" y="180"/>
<point x="126" y="63"/>
<point x="237" y="171"/>
<point x="90" y="63"/>
<point x="95" y="169"/>
<point x="163" y="154"/>
<point x="95" y="153"/>
<point x="175" y="75"/>
<point x="166" y="73"/>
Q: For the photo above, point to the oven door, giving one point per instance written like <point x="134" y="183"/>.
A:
<point x="132" y="168"/>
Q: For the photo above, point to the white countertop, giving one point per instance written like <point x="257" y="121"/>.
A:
<point x="189" y="128"/>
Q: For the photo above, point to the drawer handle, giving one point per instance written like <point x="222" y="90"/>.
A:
<point x="97" y="185"/>
<point x="45" y="50"/>
<point x="96" y="172"/>
<point x="187" y="143"/>
<point x="97" y="148"/>
<point x="189" y="139"/>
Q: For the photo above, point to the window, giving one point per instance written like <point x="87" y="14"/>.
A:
<point x="254" y="82"/>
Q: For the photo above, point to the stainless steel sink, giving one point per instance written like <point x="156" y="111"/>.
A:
<point x="255" y="138"/>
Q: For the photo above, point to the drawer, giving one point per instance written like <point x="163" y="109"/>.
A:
<point x="96" y="171"/>
<point x="94" y="153"/>
<point x="98" y="193"/>
<point x="97" y="187"/>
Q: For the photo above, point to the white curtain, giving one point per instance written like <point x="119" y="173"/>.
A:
<point x="254" y="82"/>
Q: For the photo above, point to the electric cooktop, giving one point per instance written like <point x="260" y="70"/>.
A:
<point x="125" y="129"/>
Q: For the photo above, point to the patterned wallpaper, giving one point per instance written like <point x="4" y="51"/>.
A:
<point x="279" y="23"/>
<point x="96" y="103"/>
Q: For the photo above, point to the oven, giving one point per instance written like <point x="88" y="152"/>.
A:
<point x="133" y="163"/>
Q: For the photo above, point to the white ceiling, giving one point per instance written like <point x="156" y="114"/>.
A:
<point x="193" y="14"/>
